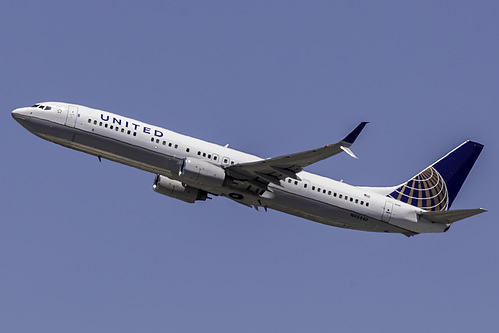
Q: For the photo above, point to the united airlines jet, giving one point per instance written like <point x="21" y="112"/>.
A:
<point x="190" y="169"/>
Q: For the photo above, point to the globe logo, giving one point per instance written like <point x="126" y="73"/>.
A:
<point x="427" y="191"/>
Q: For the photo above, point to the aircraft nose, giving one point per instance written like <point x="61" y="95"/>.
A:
<point x="16" y="113"/>
<point x="20" y="114"/>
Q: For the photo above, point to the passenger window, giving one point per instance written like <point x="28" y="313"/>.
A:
<point x="356" y="201"/>
<point x="328" y="192"/>
<point x="117" y="129"/>
<point x="367" y="204"/>
<point x="105" y="125"/>
<point x="324" y="191"/>
<point x="122" y="130"/>
<point x="304" y="185"/>
<point x="128" y="132"/>
<point x="296" y="182"/>
<point x="351" y="199"/>
<point x="157" y="140"/>
<point x="152" y="139"/>
<point x="204" y="154"/>
<point x="215" y="157"/>
<point x="95" y="122"/>
<point x="341" y="196"/>
<point x="170" y="144"/>
<point x="164" y="143"/>
<point x="176" y="146"/>
<point x="199" y="153"/>
<point x="89" y="120"/>
<point x="100" y="124"/>
<point x="225" y="161"/>
<point x="313" y="188"/>
<point x="187" y="149"/>
<point x="209" y="156"/>
<point x="289" y="181"/>
<point x="134" y="133"/>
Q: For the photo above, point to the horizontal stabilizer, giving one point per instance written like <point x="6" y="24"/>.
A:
<point x="450" y="216"/>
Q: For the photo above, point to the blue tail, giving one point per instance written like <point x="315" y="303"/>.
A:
<point x="436" y="187"/>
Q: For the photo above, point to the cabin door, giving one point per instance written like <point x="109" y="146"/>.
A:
<point x="387" y="212"/>
<point x="71" y="117"/>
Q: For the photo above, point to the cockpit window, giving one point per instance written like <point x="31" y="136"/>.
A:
<point x="43" y="107"/>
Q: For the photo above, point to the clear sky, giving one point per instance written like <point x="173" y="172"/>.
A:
<point x="89" y="247"/>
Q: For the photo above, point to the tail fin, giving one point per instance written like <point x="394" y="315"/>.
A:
<point x="436" y="187"/>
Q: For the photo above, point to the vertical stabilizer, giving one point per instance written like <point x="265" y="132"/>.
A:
<point x="436" y="187"/>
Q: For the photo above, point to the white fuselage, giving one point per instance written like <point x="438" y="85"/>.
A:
<point x="161" y="151"/>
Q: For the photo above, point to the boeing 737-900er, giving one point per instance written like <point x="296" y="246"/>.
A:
<point x="190" y="169"/>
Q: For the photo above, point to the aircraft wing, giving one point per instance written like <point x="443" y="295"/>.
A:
<point x="272" y="170"/>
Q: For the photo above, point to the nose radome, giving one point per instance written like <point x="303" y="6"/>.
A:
<point x="16" y="113"/>
<point x="20" y="114"/>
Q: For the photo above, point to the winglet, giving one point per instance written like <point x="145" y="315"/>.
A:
<point x="348" y="151"/>
<point x="350" y="138"/>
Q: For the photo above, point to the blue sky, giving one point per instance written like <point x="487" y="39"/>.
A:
<point x="89" y="247"/>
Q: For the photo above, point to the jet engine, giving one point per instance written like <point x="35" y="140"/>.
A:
<point x="201" y="173"/>
<point x="177" y="190"/>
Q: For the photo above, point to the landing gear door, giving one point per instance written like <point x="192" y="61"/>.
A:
<point x="72" y="115"/>
<point x="387" y="212"/>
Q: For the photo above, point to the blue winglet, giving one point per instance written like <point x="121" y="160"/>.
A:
<point x="350" y="138"/>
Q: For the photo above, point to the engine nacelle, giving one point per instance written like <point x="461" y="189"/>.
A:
<point x="177" y="190"/>
<point x="201" y="173"/>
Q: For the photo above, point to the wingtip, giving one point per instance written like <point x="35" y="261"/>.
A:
<point x="352" y="136"/>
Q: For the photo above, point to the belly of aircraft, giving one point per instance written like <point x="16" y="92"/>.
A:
<point x="326" y="213"/>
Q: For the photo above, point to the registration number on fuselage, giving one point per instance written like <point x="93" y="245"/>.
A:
<point x="359" y="217"/>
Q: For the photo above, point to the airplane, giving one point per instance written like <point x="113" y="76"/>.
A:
<point x="191" y="169"/>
